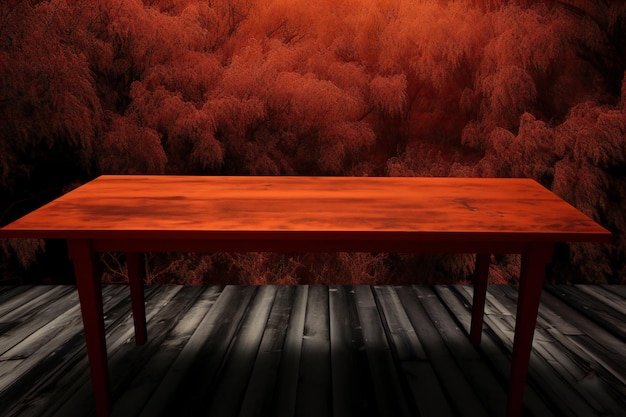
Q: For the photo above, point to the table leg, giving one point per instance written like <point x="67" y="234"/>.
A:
<point x="90" y="295"/>
<point x="136" y="274"/>
<point x="481" y="275"/>
<point x="530" y="285"/>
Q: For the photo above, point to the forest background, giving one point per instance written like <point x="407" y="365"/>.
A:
<point x="487" y="88"/>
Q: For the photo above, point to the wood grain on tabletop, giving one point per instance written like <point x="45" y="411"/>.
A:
<point x="283" y="204"/>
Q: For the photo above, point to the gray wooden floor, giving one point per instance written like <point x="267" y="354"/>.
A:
<point x="313" y="351"/>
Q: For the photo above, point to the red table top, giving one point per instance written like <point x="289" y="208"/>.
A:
<point x="203" y="207"/>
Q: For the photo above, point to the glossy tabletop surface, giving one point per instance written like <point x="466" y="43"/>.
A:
<point x="170" y="207"/>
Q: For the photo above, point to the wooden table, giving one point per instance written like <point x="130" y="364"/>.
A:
<point x="136" y="214"/>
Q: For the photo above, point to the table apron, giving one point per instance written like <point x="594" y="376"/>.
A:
<point x="310" y="245"/>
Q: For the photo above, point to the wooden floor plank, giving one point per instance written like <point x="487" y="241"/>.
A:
<point x="493" y="352"/>
<point x="58" y="376"/>
<point x="541" y="374"/>
<point x="570" y="365"/>
<point x="604" y="347"/>
<point x="419" y="376"/>
<point x="353" y="391"/>
<point x="23" y="301"/>
<point x="167" y="336"/>
<point x="596" y="309"/>
<point x="292" y="351"/>
<point x="603" y="295"/>
<point x="77" y="400"/>
<point x="459" y="392"/>
<point x="390" y="396"/>
<point x="619" y="290"/>
<point x="314" y="396"/>
<point x="285" y="396"/>
<point x="193" y="373"/>
<point x="237" y="367"/>
<point x="258" y="397"/>
<point x="22" y="357"/>
<point x="10" y="293"/>
<point x="7" y="291"/>
<point x="22" y="319"/>
<point x="467" y="357"/>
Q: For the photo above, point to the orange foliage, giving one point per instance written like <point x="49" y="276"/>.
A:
<point x="346" y="87"/>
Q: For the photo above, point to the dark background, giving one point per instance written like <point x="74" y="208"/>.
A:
<point x="325" y="87"/>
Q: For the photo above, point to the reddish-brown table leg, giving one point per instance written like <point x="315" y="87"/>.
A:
<point x="481" y="275"/>
<point x="136" y="274"/>
<point x="90" y="295"/>
<point x="531" y="282"/>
